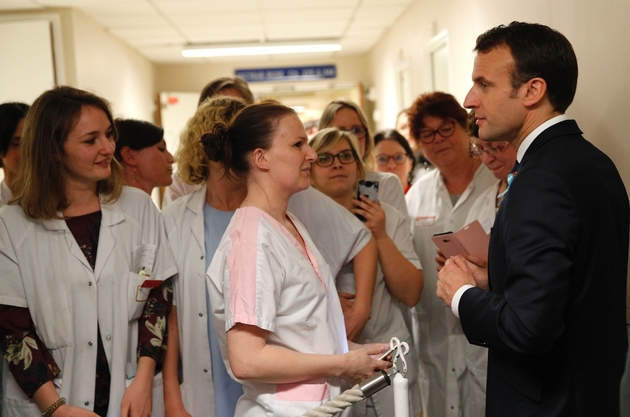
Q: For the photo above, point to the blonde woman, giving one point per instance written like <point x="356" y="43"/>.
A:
<point x="399" y="280"/>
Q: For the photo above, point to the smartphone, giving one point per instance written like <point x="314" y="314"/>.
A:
<point x="384" y="356"/>
<point x="368" y="189"/>
<point x="470" y="239"/>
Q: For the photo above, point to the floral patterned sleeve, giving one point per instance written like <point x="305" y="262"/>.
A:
<point x="152" y="324"/>
<point x="29" y="360"/>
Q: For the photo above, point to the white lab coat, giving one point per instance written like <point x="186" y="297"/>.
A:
<point x="452" y="372"/>
<point x="185" y="230"/>
<point x="333" y="229"/>
<point x="484" y="209"/>
<point x="5" y="193"/>
<point x="44" y="269"/>
<point x="261" y="276"/>
<point x="387" y="316"/>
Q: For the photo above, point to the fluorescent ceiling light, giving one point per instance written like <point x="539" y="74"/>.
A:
<point x="262" y="48"/>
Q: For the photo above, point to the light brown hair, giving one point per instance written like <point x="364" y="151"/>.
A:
<point x="40" y="185"/>
<point x="329" y="115"/>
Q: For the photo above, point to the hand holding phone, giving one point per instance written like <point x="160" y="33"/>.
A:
<point x="368" y="189"/>
<point x="470" y="239"/>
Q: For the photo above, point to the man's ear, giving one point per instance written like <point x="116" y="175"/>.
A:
<point x="259" y="158"/>
<point x="535" y="91"/>
<point x="128" y="156"/>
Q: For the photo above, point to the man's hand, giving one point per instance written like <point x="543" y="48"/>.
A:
<point x="479" y="270"/>
<point x="454" y="275"/>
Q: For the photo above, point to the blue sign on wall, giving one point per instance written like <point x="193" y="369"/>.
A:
<point x="287" y="74"/>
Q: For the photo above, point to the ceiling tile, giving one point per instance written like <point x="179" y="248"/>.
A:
<point x="249" y="33"/>
<point x="307" y="15"/>
<point x="308" y="4"/>
<point x="112" y="20"/>
<point x="223" y="19"/>
<point x="132" y="33"/>
<point x="205" y="6"/>
<point x="160" y="28"/>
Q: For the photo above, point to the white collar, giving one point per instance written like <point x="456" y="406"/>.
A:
<point x="5" y="193"/>
<point x="534" y="134"/>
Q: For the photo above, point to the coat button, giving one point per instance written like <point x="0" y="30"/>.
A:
<point x="86" y="403"/>
<point x="89" y="343"/>
<point x="205" y="370"/>
<point x="108" y="337"/>
<point x="200" y="314"/>
<point x="201" y="256"/>
<point x="90" y="283"/>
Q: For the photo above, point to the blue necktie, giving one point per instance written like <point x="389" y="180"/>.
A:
<point x="510" y="178"/>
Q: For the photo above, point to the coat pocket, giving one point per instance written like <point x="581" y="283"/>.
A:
<point x="136" y="295"/>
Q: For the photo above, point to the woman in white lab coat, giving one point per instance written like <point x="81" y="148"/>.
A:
<point x="195" y="224"/>
<point x="276" y="312"/>
<point x="399" y="280"/>
<point x="452" y="372"/>
<point x="83" y="263"/>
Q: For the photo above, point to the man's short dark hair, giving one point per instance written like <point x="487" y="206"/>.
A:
<point x="538" y="51"/>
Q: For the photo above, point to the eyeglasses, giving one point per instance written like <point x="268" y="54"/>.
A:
<point x="399" y="159"/>
<point x="358" y="131"/>
<point x="478" y="151"/>
<point x="327" y="159"/>
<point x="445" y="130"/>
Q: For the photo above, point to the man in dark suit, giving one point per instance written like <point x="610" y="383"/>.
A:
<point x="551" y="308"/>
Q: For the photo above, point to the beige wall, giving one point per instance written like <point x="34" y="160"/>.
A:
<point x="108" y="67"/>
<point x="96" y="61"/>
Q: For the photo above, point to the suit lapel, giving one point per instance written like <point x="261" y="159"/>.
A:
<point x="566" y="127"/>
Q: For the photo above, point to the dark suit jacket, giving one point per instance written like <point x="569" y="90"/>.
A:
<point x="554" y="318"/>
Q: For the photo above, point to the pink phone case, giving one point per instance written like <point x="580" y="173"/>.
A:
<point x="470" y="239"/>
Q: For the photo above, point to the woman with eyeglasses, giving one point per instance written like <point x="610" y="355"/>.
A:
<point x="421" y="164"/>
<point x="452" y="371"/>
<point x="399" y="279"/>
<point x="348" y="116"/>
<point x="393" y="154"/>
